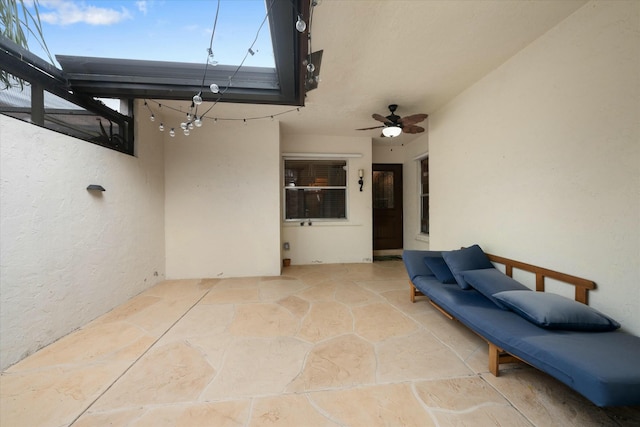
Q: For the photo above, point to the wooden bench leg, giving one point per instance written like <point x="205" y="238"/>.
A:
<point x="494" y="359"/>
<point x="412" y="292"/>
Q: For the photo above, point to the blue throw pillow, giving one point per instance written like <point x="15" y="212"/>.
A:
<point x="490" y="281"/>
<point x="471" y="258"/>
<point x="554" y="311"/>
<point x="440" y="269"/>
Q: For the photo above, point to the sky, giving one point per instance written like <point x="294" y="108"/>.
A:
<point x="162" y="30"/>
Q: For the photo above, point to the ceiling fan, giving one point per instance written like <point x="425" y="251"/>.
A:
<point x="394" y="125"/>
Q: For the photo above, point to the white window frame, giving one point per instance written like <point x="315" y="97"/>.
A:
<point x="311" y="157"/>
<point x="421" y="196"/>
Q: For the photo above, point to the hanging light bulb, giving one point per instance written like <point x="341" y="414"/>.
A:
<point x="186" y="132"/>
<point x="197" y="99"/>
<point x="152" y="118"/>
<point x="198" y="122"/>
<point x="188" y="117"/>
<point x="300" y="24"/>
<point x="183" y="125"/>
<point x="161" y="127"/>
<point x="214" y="88"/>
<point x="172" y="133"/>
<point x="391" y="131"/>
<point x="190" y="125"/>
<point x="310" y="67"/>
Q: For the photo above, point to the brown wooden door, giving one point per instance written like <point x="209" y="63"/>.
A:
<point x="387" y="206"/>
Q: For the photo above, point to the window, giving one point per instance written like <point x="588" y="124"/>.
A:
<point x="315" y="189"/>
<point x="39" y="93"/>
<point x="36" y="105"/>
<point x="424" y="195"/>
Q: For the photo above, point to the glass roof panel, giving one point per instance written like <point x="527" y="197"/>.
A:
<point x="168" y="30"/>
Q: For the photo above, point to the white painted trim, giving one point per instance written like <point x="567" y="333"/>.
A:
<point x="294" y="156"/>
<point x="421" y="156"/>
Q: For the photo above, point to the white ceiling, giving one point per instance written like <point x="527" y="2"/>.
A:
<point x="418" y="54"/>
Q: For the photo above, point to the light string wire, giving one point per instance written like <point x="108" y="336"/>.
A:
<point x="209" y="54"/>
<point x="268" y="116"/>
<point x="309" y="39"/>
<point x="222" y="93"/>
<point x="243" y="59"/>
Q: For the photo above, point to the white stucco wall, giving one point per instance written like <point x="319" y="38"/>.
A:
<point x="223" y="201"/>
<point x="67" y="255"/>
<point x="330" y="242"/>
<point x="540" y="160"/>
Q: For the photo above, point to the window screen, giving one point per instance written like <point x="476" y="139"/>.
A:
<point x="315" y="189"/>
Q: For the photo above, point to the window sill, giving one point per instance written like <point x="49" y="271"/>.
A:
<point x="423" y="238"/>
<point x="320" y="223"/>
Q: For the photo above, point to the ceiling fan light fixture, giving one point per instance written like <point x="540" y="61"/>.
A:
<point x="391" y="131"/>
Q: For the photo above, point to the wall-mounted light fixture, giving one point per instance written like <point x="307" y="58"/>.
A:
<point x="361" y="180"/>
<point x="95" y="187"/>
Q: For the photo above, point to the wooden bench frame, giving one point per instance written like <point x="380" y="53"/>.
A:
<point x="496" y="354"/>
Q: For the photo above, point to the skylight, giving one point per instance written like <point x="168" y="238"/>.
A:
<point x="177" y="31"/>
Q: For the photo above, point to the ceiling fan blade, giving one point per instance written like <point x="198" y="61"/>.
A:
<point x="413" y="119"/>
<point x="375" y="127"/>
<point x="380" y="118"/>
<point x="412" y="129"/>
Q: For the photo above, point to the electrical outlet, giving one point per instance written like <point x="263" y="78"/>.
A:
<point x="286" y="246"/>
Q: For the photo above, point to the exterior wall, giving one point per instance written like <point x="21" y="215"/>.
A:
<point x="69" y="255"/>
<point x="333" y="242"/>
<point x="539" y="161"/>
<point x="223" y="201"/>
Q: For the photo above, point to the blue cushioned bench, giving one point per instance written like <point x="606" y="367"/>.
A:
<point x="602" y="366"/>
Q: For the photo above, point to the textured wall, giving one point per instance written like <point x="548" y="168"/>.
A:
<point x="539" y="161"/>
<point x="68" y="255"/>
<point x="223" y="201"/>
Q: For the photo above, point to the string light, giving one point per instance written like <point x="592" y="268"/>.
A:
<point x="172" y="133"/>
<point x="300" y="24"/>
<point x="161" y="127"/>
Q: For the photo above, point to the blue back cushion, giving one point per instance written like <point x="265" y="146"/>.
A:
<point x="490" y="281"/>
<point x="554" y="311"/>
<point x="471" y="258"/>
<point x="440" y="268"/>
<point x="414" y="262"/>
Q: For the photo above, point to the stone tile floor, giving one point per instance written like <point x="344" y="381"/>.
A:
<point x="321" y="345"/>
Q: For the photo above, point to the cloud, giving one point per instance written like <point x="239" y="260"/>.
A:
<point x="64" y="12"/>
<point x="142" y="6"/>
